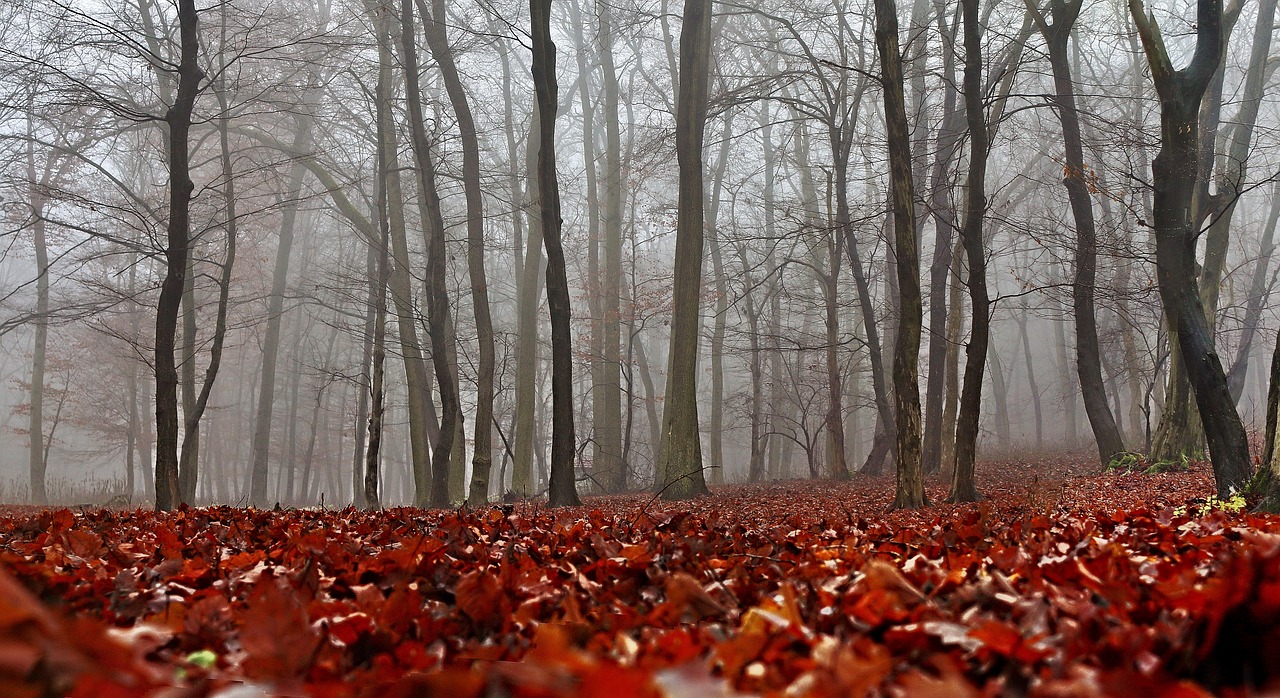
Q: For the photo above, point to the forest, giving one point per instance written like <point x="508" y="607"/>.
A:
<point x="635" y="347"/>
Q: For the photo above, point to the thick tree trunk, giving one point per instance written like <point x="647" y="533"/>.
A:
<point x="563" y="491"/>
<point x="906" y="388"/>
<point x="1174" y="180"/>
<point x="680" y="472"/>
<point x="178" y="120"/>
<point x="963" y="486"/>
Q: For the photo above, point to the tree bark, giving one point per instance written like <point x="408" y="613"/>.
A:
<point x="935" y="430"/>
<point x="1174" y="171"/>
<point x="1076" y="180"/>
<point x="417" y="378"/>
<point x="1256" y="301"/>
<point x="444" y="356"/>
<point x="563" y="491"/>
<point x="963" y="486"/>
<point x="178" y="229"/>
<point x="37" y="463"/>
<point x="720" y="324"/>
<point x="275" y="315"/>
<point x="434" y="28"/>
<point x="187" y="466"/>
<point x="609" y="406"/>
<point x="906" y="388"/>
<point x="680" y="472"/>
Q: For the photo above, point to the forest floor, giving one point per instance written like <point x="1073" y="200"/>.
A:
<point x="1062" y="583"/>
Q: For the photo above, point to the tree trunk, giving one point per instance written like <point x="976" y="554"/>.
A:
<point x="522" y="479"/>
<point x="680" y="473"/>
<point x="187" y="467"/>
<point x="608" y="408"/>
<point x="1032" y="383"/>
<point x="1231" y="184"/>
<point x="37" y="462"/>
<point x="1174" y="180"/>
<point x="720" y="324"/>
<point x="438" y="42"/>
<point x="906" y="386"/>
<point x="951" y="399"/>
<point x="275" y="315"/>
<point x="1256" y="300"/>
<point x="949" y="134"/>
<point x="178" y="120"/>
<point x="417" y="378"/>
<point x="563" y="491"/>
<point x="963" y="487"/>
<point x="439" y="322"/>
<point x="1076" y="180"/>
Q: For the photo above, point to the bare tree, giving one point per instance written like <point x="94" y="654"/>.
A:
<point x="178" y="119"/>
<point x="680" y="472"/>
<point x="563" y="490"/>
<point x="906" y="389"/>
<point x="1174" y="174"/>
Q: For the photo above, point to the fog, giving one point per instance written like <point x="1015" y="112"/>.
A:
<point x="289" y="161"/>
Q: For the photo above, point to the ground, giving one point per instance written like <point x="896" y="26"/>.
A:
<point x="1058" y="584"/>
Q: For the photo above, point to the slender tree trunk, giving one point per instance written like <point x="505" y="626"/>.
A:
<point x="1256" y="300"/>
<point x="37" y="462"/>
<point x="187" y="467"/>
<point x="1174" y="179"/>
<point x="434" y="27"/>
<point x="178" y="120"/>
<point x="720" y="324"/>
<point x="951" y="399"/>
<point x="440" y="324"/>
<point x="1032" y="383"/>
<point x="609" y="405"/>
<point x="563" y="491"/>
<point x="417" y="377"/>
<point x="363" y="384"/>
<point x="1231" y="183"/>
<point x="275" y="315"/>
<point x="963" y="486"/>
<point x="522" y="479"/>
<point x="1000" y="396"/>
<point x="189" y="442"/>
<point x="1076" y="179"/>
<point x="680" y="472"/>
<point x="944" y="224"/>
<point x="906" y="387"/>
<point x="378" y="295"/>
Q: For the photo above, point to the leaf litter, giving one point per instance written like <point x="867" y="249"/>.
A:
<point x="1097" y="585"/>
